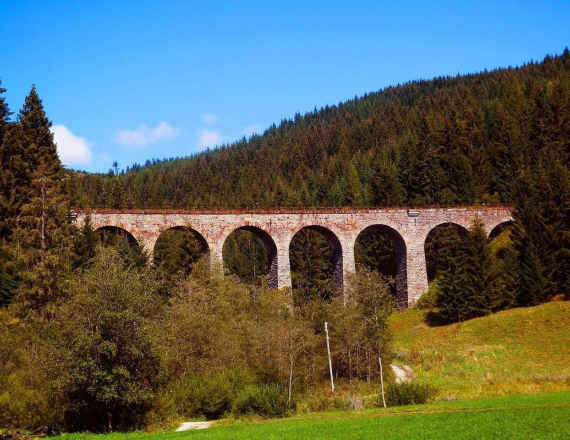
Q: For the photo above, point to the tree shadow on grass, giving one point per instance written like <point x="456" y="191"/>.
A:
<point x="434" y="319"/>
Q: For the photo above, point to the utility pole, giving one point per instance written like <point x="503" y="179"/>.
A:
<point x="329" y="352"/>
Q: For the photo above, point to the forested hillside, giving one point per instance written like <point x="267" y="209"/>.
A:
<point x="450" y="140"/>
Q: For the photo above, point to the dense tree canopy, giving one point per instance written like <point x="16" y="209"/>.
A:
<point x="450" y="140"/>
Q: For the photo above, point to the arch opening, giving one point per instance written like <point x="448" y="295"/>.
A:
<point x="382" y="249"/>
<point x="177" y="250"/>
<point x="501" y="246"/>
<point x="315" y="254"/>
<point x="501" y="229"/>
<point x="128" y="246"/>
<point x="443" y="243"/>
<point x="250" y="253"/>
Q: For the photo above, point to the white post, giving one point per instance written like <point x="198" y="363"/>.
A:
<point x="329" y="352"/>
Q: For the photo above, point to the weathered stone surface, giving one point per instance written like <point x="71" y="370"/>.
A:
<point x="409" y="229"/>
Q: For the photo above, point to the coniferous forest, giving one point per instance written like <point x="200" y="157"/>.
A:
<point x="96" y="335"/>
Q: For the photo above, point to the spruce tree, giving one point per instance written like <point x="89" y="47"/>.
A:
<point x="311" y="267"/>
<point x="531" y="243"/>
<point x="506" y="279"/>
<point x="86" y="244"/>
<point x="466" y="286"/>
<point x="7" y="280"/>
<point x="43" y="234"/>
<point x="4" y="112"/>
<point x="6" y="168"/>
<point x="477" y="282"/>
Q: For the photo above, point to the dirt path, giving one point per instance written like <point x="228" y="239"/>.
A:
<point x="186" y="426"/>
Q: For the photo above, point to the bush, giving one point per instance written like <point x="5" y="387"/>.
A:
<point x="409" y="393"/>
<point x="209" y="396"/>
<point x="428" y="301"/>
<point x="265" y="401"/>
<point x="28" y="398"/>
<point x="320" y="402"/>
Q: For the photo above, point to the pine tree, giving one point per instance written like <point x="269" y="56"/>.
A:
<point x="506" y="280"/>
<point x="464" y="275"/>
<point x="4" y="112"/>
<point x="43" y="234"/>
<point x="311" y="266"/>
<point x="386" y="188"/>
<point x="353" y="186"/>
<point x="476" y="274"/>
<point x="86" y="244"/>
<point x="531" y="243"/>
<point x="8" y="282"/>
<point x="6" y="168"/>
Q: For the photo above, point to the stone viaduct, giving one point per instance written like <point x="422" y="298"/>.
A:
<point x="408" y="228"/>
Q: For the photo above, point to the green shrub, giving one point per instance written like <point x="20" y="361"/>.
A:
<point x="428" y="301"/>
<point x="320" y="402"/>
<point x="409" y="393"/>
<point x="265" y="401"/>
<point x="209" y="396"/>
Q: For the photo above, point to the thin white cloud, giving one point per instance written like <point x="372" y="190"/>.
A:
<point x="72" y="150"/>
<point x="252" y="129"/>
<point x="144" y="136"/>
<point x="209" y="118"/>
<point x="106" y="158"/>
<point x="209" y="138"/>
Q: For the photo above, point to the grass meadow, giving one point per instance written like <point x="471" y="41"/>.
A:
<point x="539" y="416"/>
<point x="517" y="351"/>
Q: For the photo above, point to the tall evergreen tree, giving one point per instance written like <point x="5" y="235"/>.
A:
<point x="531" y="243"/>
<point x="311" y="266"/>
<point x="467" y="286"/>
<point x="477" y="282"/>
<point x="7" y="281"/>
<point x="43" y="234"/>
<point x="4" y="111"/>
<point x="6" y="168"/>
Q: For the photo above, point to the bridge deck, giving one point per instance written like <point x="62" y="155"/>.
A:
<point x="286" y="210"/>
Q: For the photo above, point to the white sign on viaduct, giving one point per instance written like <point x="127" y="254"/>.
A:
<point x="408" y="228"/>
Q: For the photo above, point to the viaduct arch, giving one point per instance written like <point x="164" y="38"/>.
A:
<point x="408" y="227"/>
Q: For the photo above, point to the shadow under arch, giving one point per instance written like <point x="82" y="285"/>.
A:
<point x="270" y="247"/>
<point x="401" y="272"/>
<point x="118" y="232"/>
<point x="500" y="228"/>
<point x="198" y="238"/>
<point x="204" y="247"/>
<point x="439" y="245"/>
<point x="336" y="248"/>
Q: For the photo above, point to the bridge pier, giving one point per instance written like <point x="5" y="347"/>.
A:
<point x="216" y="256"/>
<point x="348" y="262"/>
<point x="147" y="243"/>
<point x="414" y="269"/>
<point x="283" y="267"/>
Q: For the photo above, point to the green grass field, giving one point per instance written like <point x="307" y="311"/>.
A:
<point x="540" y="416"/>
<point x="512" y="352"/>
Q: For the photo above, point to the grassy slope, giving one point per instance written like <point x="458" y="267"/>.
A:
<point x="516" y="351"/>
<point x="512" y="417"/>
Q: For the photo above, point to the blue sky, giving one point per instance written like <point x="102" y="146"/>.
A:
<point x="134" y="80"/>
